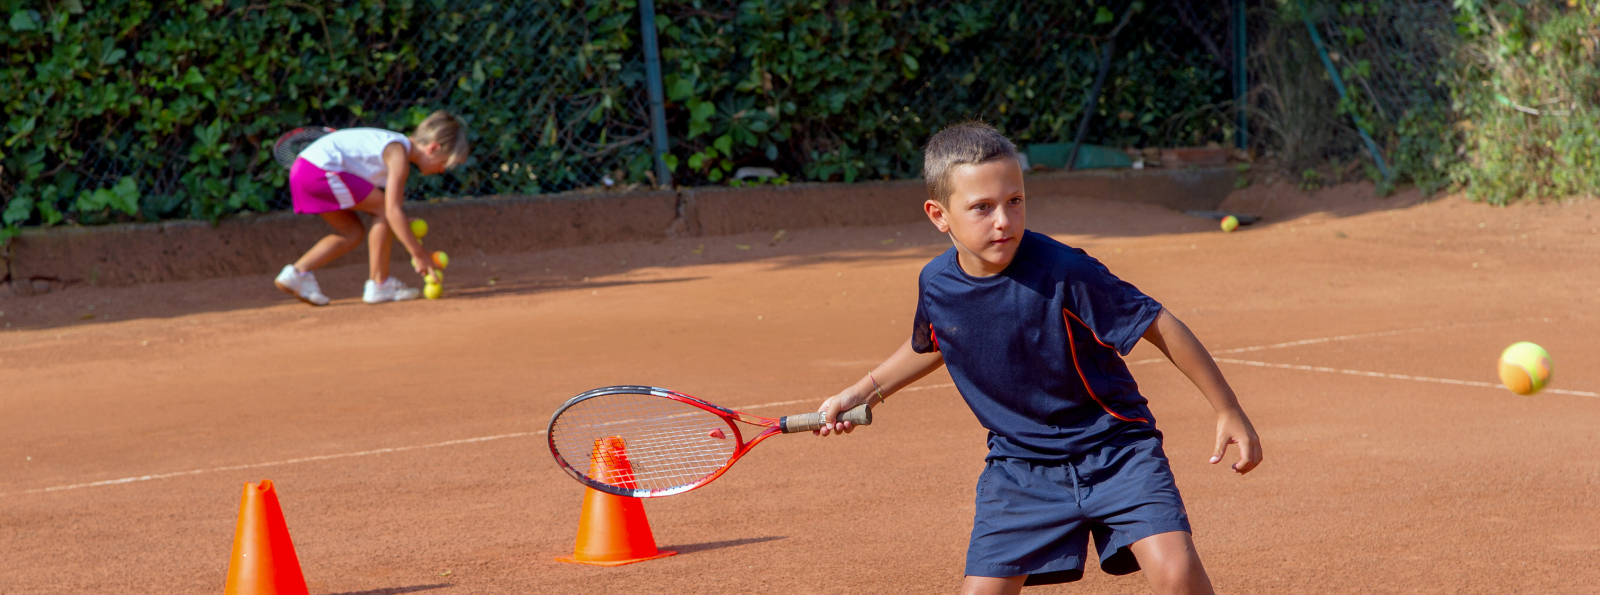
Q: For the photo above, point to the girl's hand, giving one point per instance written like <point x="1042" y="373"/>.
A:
<point x="831" y="408"/>
<point x="1234" y="428"/>
<point x="422" y="266"/>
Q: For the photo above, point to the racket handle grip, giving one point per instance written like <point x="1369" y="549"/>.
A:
<point x="806" y="422"/>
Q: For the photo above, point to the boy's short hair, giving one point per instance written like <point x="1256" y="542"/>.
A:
<point x="449" y="131"/>
<point x="967" y="143"/>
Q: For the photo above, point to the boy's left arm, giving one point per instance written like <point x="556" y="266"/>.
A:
<point x="1175" y="340"/>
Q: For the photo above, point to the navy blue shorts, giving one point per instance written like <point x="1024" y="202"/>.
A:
<point x="1035" y="519"/>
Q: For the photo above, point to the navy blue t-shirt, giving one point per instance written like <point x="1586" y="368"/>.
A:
<point x="1037" y="350"/>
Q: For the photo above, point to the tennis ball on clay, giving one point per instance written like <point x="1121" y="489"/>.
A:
<point x="432" y="291"/>
<point x="1525" y="368"/>
<point x="1230" y="223"/>
<point x="441" y="260"/>
<point x="419" y="228"/>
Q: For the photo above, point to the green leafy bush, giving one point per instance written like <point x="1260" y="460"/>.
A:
<point x="158" y="103"/>
<point x="849" y="91"/>
<point x="181" y="100"/>
<point x="1527" y="99"/>
<point x="1496" y="97"/>
<point x="134" y="110"/>
<point x="1394" y="59"/>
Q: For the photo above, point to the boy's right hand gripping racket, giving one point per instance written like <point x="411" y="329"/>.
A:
<point x="288" y="147"/>
<point x="643" y="442"/>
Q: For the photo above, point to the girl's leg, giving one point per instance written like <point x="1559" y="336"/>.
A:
<point x="1172" y="565"/>
<point x="380" y="239"/>
<point x="378" y="244"/>
<point x="347" y="235"/>
<point x="990" y="585"/>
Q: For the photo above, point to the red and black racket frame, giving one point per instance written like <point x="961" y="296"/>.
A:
<point x="773" y="426"/>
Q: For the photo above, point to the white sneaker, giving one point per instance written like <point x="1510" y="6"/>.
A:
<point x="301" y="285"/>
<point x="391" y="290"/>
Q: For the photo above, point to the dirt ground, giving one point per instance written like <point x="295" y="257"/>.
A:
<point x="1360" y="332"/>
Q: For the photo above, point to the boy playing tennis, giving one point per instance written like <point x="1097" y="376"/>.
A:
<point x="365" y="169"/>
<point x="1034" y="332"/>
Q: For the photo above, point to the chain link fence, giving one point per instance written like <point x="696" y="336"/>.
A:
<point x="1032" y="72"/>
<point x="1394" y="60"/>
<point x="554" y="94"/>
<point x="195" y="94"/>
<point x="555" y="91"/>
<point x="127" y="111"/>
<point x="843" y="94"/>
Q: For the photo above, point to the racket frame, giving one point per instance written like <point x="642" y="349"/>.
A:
<point x="284" y="138"/>
<point x="770" y="427"/>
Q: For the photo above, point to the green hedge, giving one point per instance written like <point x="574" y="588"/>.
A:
<point x="135" y="110"/>
<point x="850" y="91"/>
<point x="107" y="102"/>
<point x="132" y="110"/>
<point x="1528" y="101"/>
<point x="1497" y="98"/>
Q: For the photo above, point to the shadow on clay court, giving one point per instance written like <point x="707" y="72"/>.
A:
<point x="1080" y="221"/>
<point x="534" y="288"/>
<point x="396" y="590"/>
<point x="717" y="545"/>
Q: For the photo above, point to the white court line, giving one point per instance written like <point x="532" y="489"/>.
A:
<point x="1306" y="342"/>
<point x="1242" y="362"/>
<point x="346" y="455"/>
<point x="363" y="453"/>
<point x="378" y="451"/>
<point x="1333" y="339"/>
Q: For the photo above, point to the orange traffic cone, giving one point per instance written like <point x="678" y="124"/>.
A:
<point x="612" y="530"/>
<point x="263" y="557"/>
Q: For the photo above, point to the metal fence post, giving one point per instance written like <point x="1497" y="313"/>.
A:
<point x="652" y="73"/>
<point x="1241" y="81"/>
<point x="1338" y="85"/>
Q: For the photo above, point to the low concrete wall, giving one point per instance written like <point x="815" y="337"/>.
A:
<point x="253" y="245"/>
<point x="1190" y="189"/>
<point x="724" y="211"/>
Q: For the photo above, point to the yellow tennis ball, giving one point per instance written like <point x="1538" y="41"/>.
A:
<point x="1230" y="223"/>
<point x="433" y="278"/>
<point x="1525" y="368"/>
<point x="432" y="291"/>
<point x="441" y="260"/>
<point x="419" y="228"/>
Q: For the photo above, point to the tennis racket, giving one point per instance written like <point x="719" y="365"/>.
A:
<point x="644" y="442"/>
<point x="289" y="146"/>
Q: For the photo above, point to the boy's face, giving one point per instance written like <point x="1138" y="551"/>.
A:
<point x="985" y="216"/>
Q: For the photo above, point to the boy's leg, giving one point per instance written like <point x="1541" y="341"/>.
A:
<point x="347" y="235"/>
<point x="1171" y="564"/>
<point x="380" y="238"/>
<point x="992" y="585"/>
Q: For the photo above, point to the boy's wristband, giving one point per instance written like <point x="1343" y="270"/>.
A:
<point x="878" y="390"/>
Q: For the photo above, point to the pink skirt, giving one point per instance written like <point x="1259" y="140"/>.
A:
<point x="317" y="191"/>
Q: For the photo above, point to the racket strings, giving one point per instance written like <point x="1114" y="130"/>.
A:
<point x="662" y="455"/>
<point x="288" y="147"/>
<point x="641" y="441"/>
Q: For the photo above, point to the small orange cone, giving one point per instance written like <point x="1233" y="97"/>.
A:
<point x="612" y="530"/>
<point x="263" y="557"/>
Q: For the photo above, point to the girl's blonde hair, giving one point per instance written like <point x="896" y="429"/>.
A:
<point x="449" y="131"/>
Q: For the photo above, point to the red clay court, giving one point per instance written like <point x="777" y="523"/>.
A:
<point x="406" y="439"/>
